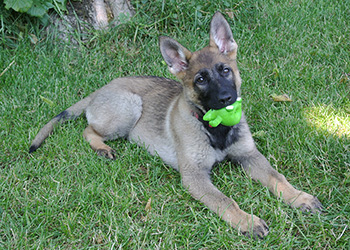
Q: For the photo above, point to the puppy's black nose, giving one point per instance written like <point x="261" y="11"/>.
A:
<point x="225" y="99"/>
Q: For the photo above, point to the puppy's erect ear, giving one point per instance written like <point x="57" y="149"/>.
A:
<point x="174" y="54"/>
<point x="221" y="36"/>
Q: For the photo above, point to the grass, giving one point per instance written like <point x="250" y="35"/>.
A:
<point x="64" y="196"/>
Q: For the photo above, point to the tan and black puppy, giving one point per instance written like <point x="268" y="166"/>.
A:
<point x="166" y="117"/>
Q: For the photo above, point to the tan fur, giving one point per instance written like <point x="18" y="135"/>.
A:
<point x="158" y="113"/>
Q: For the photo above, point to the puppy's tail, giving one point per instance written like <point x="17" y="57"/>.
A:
<point x="69" y="114"/>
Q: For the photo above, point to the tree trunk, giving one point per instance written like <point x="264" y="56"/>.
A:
<point x="83" y="15"/>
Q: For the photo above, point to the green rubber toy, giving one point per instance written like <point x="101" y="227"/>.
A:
<point x="228" y="116"/>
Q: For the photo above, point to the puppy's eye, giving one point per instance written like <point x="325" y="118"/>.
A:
<point x="226" y="70"/>
<point x="199" y="80"/>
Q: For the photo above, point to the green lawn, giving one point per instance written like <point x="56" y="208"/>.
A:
<point x="65" y="196"/>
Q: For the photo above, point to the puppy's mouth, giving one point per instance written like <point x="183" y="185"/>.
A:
<point x="204" y="109"/>
<point x="221" y="104"/>
<point x="227" y="105"/>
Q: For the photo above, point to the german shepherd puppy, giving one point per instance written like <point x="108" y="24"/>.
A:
<point x="166" y="117"/>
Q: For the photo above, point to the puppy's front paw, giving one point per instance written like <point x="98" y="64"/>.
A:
<point x="108" y="153"/>
<point x="256" y="228"/>
<point x="307" y="203"/>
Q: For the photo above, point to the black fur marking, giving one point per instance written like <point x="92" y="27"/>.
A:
<point x="221" y="137"/>
<point x="32" y="148"/>
<point x="64" y="115"/>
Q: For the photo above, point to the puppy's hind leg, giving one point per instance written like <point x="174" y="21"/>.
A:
<point x="110" y="116"/>
<point x="97" y="144"/>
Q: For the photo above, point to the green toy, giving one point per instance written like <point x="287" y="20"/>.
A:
<point x="228" y="116"/>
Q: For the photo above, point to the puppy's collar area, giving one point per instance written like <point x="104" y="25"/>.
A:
<point x="220" y="137"/>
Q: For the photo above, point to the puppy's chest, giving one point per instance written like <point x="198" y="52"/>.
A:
<point x="222" y="137"/>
